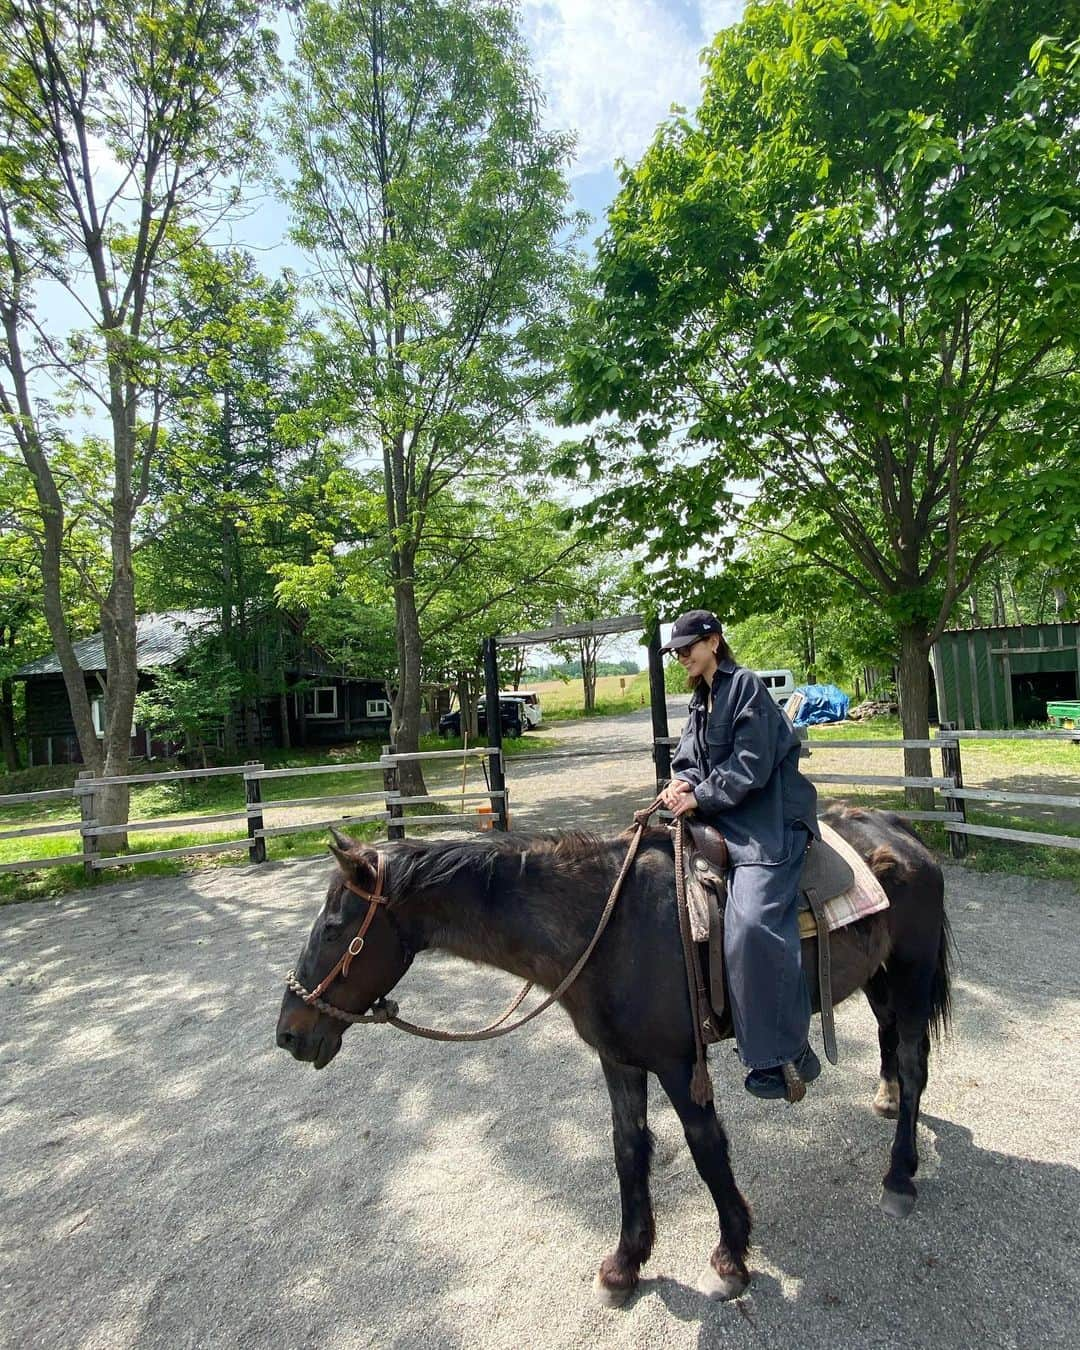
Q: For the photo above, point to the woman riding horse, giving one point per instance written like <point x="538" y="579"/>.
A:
<point x="737" y="767"/>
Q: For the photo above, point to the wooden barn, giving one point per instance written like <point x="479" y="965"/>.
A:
<point x="991" y="677"/>
<point x="321" y="704"/>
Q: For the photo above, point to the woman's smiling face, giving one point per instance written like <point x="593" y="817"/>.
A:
<point x="699" y="658"/>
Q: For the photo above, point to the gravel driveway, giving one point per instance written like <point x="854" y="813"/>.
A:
<point x="169" y="1179"/>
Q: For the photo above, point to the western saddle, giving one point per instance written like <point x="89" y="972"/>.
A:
<point x="825" y="874"/>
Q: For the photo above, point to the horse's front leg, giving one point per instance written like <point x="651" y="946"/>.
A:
<point x="618" y="1274"/>
<point x="726" y="1275"/>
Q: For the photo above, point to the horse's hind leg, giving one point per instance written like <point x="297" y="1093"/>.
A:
<point x="911" y="996"/>
<point x="887" y="1098"/>
<point x="726" y="1275"/>
<point x="618" y="1274"/>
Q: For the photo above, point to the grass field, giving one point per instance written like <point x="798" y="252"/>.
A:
<point x="565" y="700"/>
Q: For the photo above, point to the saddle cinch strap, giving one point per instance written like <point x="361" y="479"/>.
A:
<point x="825" y="875"/>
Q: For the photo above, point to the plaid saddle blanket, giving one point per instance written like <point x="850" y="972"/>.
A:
<point x="865" y="896"/>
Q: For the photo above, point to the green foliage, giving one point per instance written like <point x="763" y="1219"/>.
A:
<point x="436" y="205"/>
<point x="852" y="280"/>
<point x="190" y="704"/>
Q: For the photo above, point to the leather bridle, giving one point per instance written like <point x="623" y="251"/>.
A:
<point x="374" y="898"/>
<point x="385" y="1010"/>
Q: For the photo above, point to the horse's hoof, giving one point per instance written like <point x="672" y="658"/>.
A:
<point x="887" y="1100"/>
<point x="720" y="1288"/>
<point x="897" y="1204"/>
<point x="611" y="1297"/>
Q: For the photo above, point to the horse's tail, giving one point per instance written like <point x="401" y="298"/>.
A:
<point x="941" y="988"/>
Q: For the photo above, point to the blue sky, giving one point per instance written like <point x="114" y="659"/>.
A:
<point x="610" y="71"/>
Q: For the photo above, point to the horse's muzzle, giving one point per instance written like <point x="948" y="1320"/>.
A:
<point x="315" y="1045"/>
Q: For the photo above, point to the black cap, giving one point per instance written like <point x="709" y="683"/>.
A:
<point x="690" y="627"/>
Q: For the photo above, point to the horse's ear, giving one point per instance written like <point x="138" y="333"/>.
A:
<point x="343" y="842"/>
<point x="353" y="858"/>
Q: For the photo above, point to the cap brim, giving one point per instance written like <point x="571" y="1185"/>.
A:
<point x="676" y="644"/>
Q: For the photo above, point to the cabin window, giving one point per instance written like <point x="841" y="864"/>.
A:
<point x="378" y="707"/>
<point x="97" y="716"/>
<point x="321" y="702"/>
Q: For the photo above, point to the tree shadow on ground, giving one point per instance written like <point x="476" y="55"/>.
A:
<point x="172" y="1179"/>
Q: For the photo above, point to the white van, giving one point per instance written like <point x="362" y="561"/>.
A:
<point x="779" y="683"/>
<point x="531" y="712"/>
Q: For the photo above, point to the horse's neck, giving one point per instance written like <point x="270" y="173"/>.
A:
<point x="532" y="920"/>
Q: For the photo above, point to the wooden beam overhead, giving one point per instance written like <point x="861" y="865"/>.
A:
<point x="626" y="623"/>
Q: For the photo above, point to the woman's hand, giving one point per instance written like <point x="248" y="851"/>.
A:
<point x="678" y="797"/>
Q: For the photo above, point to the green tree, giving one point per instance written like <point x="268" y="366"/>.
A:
<point x="436" y="206"/>
<point x="121" y="121"/>
<point x="852" y="280"/>
<point x="191" y="704"/>
<point x="238" y="493"/>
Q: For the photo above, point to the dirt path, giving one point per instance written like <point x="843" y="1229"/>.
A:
<point x="169" y="1179"/>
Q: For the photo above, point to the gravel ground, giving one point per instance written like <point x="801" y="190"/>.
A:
<point x="170" y="1179"/>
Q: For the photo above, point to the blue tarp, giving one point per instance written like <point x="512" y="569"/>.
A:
<point x="822" y="703"/>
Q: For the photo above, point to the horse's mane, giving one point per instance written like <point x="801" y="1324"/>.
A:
<point x="413" y="864"/>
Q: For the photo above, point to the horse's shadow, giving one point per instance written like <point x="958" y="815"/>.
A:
<point x="988" y="1257"/>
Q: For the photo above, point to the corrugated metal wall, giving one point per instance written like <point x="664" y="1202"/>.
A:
<point x="976" y="671"/>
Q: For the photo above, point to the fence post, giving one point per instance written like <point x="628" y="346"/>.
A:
<point x="493" y="715"/>
<point x="952" y="768"/>
<point x="658" y="706"/>
<point x="253" y="797"/>
<point x="390" y="784"/>
<point x="86" y="814"/>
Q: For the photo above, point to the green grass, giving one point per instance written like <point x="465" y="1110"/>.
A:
<point x="563" y="702"/>
<point x="213" y="796"/>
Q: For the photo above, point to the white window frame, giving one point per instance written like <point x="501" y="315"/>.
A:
<point x="315" y="692"/>
<point x="97" y="717"/>
<point x="377" y="707"/>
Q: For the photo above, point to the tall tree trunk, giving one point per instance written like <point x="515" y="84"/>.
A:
<point x="1061" y="603"/>
<point x="973" y="607"/>
<point x="405" y="728"/>
<point x="914" y="691"/>
<point x="999" y="604"/>
<point x="283" y="708"/>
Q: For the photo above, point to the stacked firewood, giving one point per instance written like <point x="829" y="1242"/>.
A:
<point x="873" y="707"/>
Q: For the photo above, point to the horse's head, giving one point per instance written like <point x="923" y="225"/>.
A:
<point x="355" y="943"/>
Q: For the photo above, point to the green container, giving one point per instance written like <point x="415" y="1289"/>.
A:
<point x="1065" y="714"/>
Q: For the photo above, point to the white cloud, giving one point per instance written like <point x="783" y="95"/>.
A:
<point x="612" y="68"/>
<point x="717" y="14"/>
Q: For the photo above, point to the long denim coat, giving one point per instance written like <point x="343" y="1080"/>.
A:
<point x="742" y="759"/>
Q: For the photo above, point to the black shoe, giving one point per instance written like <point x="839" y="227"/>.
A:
<point x="769" y="1083"/>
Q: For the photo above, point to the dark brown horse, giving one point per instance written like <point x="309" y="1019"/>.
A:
<point x="531" y="905"/>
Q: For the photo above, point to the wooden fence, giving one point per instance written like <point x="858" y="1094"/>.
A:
<point x="384" y="805"/>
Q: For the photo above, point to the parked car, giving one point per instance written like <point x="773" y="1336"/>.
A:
<point x="779" y="683"/>
<point x="510" y="716"/>
<point x="531" y="712"/>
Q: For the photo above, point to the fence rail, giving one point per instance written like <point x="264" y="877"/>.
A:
<point x="253" y="812"/>
<point x="952" y="815"/>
